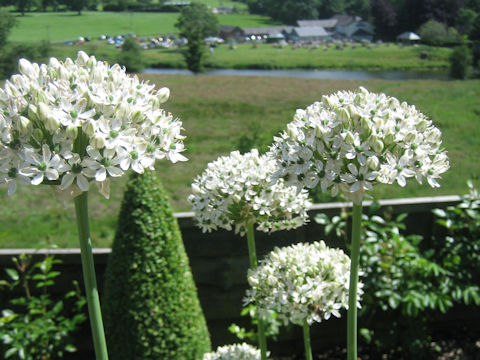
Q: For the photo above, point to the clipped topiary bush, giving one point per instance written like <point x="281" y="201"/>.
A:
<point x="150" y="303"/>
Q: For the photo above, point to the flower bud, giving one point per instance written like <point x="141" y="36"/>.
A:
<point x="52" y="124"/>
<point x="163" y="94"/>
<point x="89" y="127"/>
<point x="137" y="116"/>
<point x="349" y="138"/>
<point x="24" y="125"/>
<point x="373" y="162"/>
<point x="72" y="132"/>
<point x="32" y="112"/>
<point x="388" y="139"/>
<point x="328" y="101"/>
<point x="377" y="145"/>
<point x="97" y="142"/>
<point x="25" y="67"/>
<point x="343" y="116"/>
<point x="43" y="111"/>
<point x="422" y="125"/>
<point x="410" y="136"/>
<point x="82" y="58"/>
<point x="53" y="62"/>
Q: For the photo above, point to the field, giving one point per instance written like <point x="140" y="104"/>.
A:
<point x="59" y="27"/>
<point x="381" y="57"/>
<point x="221" y="113"/>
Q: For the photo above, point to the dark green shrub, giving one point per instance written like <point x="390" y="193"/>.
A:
<point x="406" y="283"/>
<point x="460" y="62"/>
<point x="10" y="54"/>
<point x="131" y="56"/>
<point x="151" y="309"/>
<point x="438" y="34"/>
<point x="37" y="326"/>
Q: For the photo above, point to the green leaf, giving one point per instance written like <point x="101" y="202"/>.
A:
<point x="440" y="213"/>
<point x="13" y="274"/>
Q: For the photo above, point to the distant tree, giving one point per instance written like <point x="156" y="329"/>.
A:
<point x="438" y="34"/>
<point x="131" y="56"/>
<point x="358" y="7"/>
<point x="7" y="22"/>
<point x="195" y="23"/>
<point x="384" y="18"/>
<point x="465" y="21"/>
<point x="460" y="62"/>
<point x="327" y="8"/>
<point x="24" y="5"/>
<point x="475" y="32"/>
<point x="76" y="5"/>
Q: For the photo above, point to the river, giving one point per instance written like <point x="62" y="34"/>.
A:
<point x="312" y="74"/>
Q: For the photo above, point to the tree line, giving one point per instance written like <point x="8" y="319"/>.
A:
<point x="390" y="17"/>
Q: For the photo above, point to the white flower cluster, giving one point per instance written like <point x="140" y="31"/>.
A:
<point x="352" y="140"/>
<point x="234" y="352"/>
<point x="302" y="282"/>
<point x="69" y="123"/>
<point x="236" y="190"/>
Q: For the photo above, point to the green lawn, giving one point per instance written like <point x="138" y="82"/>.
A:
<point x="216" y="113"/>
<point x="58" y="27"/>
<point x="383" y="57"/>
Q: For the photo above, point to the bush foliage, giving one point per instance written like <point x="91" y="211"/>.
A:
<point x="409" y="279"/>
<point x="151" y="308"/>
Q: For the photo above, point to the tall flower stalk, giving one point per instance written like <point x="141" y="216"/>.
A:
<point x="235" y="193"/>
<point x="303" y="283"/>
<point x="350" y="141"/>
<point x="70" y="124"/>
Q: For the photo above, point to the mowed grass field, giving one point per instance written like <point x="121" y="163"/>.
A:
<point x="217" y="112"/>
<point x="59" y="27"/>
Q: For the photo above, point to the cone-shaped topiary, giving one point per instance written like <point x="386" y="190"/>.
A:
<point x="150" y="303"/>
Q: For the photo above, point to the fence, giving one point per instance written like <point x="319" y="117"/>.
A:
<point x="219" y="262"/>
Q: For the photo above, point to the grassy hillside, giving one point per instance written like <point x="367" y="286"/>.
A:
<point x="218" y="113"/>
<point x="58" y="27"/>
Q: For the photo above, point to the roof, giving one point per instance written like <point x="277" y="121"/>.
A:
<point x="308" y="31"/>
<point x="325" y="23"/>
<point x="228" y="28"/>
<point x="408" y="35"/>
<point x="266" y="30"/>
<point x="343" y="20"/>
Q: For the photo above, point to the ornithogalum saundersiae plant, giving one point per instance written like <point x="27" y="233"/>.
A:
<point x="350" y="141"/>
<point x="302" y="283"/>
<point x="235" y="193"/>
<point x="73" y="123"/>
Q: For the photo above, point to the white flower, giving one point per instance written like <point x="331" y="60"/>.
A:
<point x="70" y="123"/>
<point x="47" y="165"/>
<point x="302" y="282"/>
<point x="236" y="190"/>
<point x="353" y="140"/>
<point x="234" y="352"/>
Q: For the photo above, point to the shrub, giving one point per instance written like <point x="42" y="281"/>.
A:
<point x="460" y="62"/>
<point x="438" y="34"/>
<point x="151" y="308"/>
<point x="131" y="56"/>
<point x="10" y="55"/>
<point x="38" y="327"/>
<point x="407" y="278"/>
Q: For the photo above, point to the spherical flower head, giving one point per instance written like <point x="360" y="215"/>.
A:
<point x="81" y="121"/>
<point x="302" y="282"/>
<point x="350" y="141"/>
<point x="236" y="190"/>
<point x="242" y="351"/>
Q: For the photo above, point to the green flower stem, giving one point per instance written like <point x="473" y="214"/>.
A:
<point x="306" y="341"/>
<point x="252" y="253"/>
<point x="352" y="291"/>
<point x="94" y="312"/>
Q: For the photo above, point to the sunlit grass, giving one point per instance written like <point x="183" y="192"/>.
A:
<point x="216" y="112"/>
